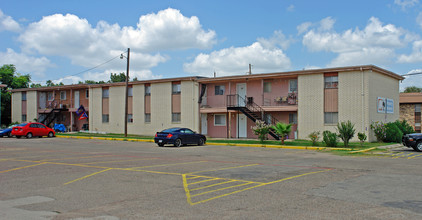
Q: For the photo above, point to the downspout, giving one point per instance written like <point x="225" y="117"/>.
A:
<point x="363" y="101"/>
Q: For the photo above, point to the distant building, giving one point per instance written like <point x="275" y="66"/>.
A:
<point x="410" y="109"/>
<point x="224" y="107"/>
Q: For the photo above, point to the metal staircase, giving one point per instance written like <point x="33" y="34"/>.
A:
<point x="49" y="118"/>
<point x="252" y="110"/>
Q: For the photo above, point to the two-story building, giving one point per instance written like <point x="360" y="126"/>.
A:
<point x="224" y="107"/>
<point x="410" y="109"/>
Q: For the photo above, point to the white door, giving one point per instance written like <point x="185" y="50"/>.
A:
<point x="43" y="100"/>
<point x="241" y="92"/>
<point x="204" y="124"/>
<point x="76" y="99"/>
<point x="241" y="125"/>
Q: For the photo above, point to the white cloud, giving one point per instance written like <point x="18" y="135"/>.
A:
<point x="75" y="38"/>
<point x="277" y="40"/>
<point x="304" y="27"/>
<point x="291" y="8"/>
<point x="375" y="44"/>
<point x="25" y="63"/>
<point x="415" y="56"/>
<point x="415" y="80"/>
<point x="235" y="61"/>
<point x="7" y="23"/>
<point x="406" y="3"/>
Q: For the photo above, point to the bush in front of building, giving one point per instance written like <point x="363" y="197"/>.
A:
<point x="330" y="138"/>
<point x="404" y="127"/>
<point x="393" y="133"/>
<point x="282" y="129"/>
<point x="346" y="131"/>
<point x="314" y="136"/>
<point x="379" y="130"/>
<point x="362" y="138"/>
<point x="261" y="129"/>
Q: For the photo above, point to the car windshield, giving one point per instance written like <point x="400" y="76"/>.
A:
<point x="171" y="130"/>
<point x="21" y="125"/>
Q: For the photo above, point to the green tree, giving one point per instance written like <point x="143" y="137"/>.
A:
<point x="282" y="129"/>
<point x="114" y="77"/>
<point x="411" y="89"/>
<point x="346" y="131"/>
<point x="13" y="80"/>
<point x="261" y="129"/>
<point x="49" y="83"/>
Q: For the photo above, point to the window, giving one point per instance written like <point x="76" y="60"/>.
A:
<point x="62" y="95"/>
<point x="293" y="85"/>
<point x="418" y="107"/>
<point x="87" y="93"/>
<point x="41" y="126"/>
<point x="50" y="96"/>
<point x="330" y="117"/>
<point x="23" y="96"/>
<point x="331" y="82"/>
<point x="147" y="89"/>
<point x="268" y="119"/>
<point x="219" y="90"/>
<point x="292" y="118"/>
<point x="267" y="87"/>
<point x="175" y="88"/>
<point x="130" y="91"/>
<point x="175" y="117"/>
<point x="219" y="120"/>
<point x="105" y="93"/>
<point x="147" y="117"/>
<point x="105" y="118"/>
<point x="130" y="118"/>
<point x="23" y="118"/>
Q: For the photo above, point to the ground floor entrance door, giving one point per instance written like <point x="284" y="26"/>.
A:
<point x="204" y="124"/>
<point x="241" y="126"/>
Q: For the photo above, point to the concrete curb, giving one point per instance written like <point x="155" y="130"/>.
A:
<point x="218" y="144"/>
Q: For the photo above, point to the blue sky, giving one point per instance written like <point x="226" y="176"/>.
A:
<point x="60" y="40"/>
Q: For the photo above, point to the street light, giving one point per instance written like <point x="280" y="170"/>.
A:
<point x="127" y="82"/>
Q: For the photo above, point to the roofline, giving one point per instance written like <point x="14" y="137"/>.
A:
<point x="87" y="86"/>
<point x="306" y="72"/>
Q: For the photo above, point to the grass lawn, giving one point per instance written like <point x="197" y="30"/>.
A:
<point x="355" y="145"/>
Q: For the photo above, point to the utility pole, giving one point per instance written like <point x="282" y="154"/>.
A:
<point x="127" y="89"/>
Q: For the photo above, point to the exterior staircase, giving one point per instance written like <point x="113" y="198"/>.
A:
<point x="252" y="110"/>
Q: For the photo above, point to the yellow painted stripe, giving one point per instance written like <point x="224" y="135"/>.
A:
<point x="216" y="190"/>
<point x="185" y="186"/>
<point x="364" y="150"/>
<point x="217" y="184"/>
<point x="195" y="177"/>
<point x="19" y="168"/>
<point x="292" y="177"/>
<point x="163" y="165"/>
<point x="225" y="168"/>
<point x="115" y="161"/>
<point x="87" y="176"/>
<point x="417" y="155"/>
<point x="69" y="158"/>
<point x="227" y="194"/>
<point x="203" y="181"/>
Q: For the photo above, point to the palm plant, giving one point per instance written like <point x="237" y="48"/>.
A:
<point x="282" y="129"/>
<point x="346" y="131"/>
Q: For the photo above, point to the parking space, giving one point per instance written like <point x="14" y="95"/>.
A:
<point x="131" y="180"/>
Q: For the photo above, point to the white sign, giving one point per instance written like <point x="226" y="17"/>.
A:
<point x="381" y="105"/>
<point x="390" y="106"/>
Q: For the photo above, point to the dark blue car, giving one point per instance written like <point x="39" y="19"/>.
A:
<point x="7" y="132"/>
<point x="179" y="137"/>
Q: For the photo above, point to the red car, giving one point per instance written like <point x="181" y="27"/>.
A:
<point x="32" y="129"/>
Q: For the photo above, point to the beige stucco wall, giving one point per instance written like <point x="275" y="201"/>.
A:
<point x="31" y="105"/>
<point x="95" y="109"/>
<point x="189" y="104"/>
<point x="17" y="107"/>
<point x="382" y="86"/>
<point x="138" y="125"/>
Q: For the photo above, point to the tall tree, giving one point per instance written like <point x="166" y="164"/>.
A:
<point x="14" y="80"/>
<point x="114" y="77"/>
<point x="411" y="89"/>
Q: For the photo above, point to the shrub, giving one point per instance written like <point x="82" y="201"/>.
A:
<point x="282" y="129"/>
<point x="330" y="138"/>
<point x="261" y="129"/>
<point x="404" y="127"/>
<point x="314" y="136"/>
<point x="379" y="130"/>
<point x="392" y="133"/>
<point x="346" y="131"/>
<point x="362" y="138"/>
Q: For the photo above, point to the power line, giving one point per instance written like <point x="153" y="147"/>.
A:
<point x="411" y="74"/>
<point x="108" y="61"/>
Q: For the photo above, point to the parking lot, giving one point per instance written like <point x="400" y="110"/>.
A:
<point x="95" y="179"/>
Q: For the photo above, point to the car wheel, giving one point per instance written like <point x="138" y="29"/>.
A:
<point x="418" y="147"/>
<point x="178" y="142"/>
<point x="10" y="134"/>
<point x="29" y="135"/>
<point x="161" y="145"/>
<point x="18" y="136"/>
<point x="201" y="142"/>
<point x="50" y="134"/>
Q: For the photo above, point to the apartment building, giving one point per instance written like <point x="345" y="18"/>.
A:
<point x="410" y="109"/>
<point x="225" y="107"/>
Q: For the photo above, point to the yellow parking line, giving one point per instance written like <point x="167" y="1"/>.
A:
<point x="226" y="168"/>
<point x="397" y="155"/>
<point x="417" y="155"/>
<point x="87" y="176"/>
<point x="292" y="177"/>
<point x="195" y="177"/>
<point x="216" y="190"/>
<point x="115" y="161"/>
<point x="203" y="181"/>
<point x="69" y="158"/>
<point x="204" y="187"/>
<point x="216" y="197"/>
<point x="162" y="165"/>
<point x="19" y="168"/>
